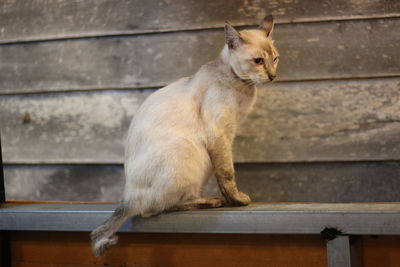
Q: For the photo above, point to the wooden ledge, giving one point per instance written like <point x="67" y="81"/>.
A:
<point x="257" y="218"/>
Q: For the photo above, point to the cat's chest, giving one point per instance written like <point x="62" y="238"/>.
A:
<point x="244" y="102"/>
<point x="226" y="106"/>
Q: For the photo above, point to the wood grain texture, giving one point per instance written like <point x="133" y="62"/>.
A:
<point x="65" y="183"/>
<point x="323" y="121"/>
<point x="72" y="249"/>
<point x="329" y="50"/>
<point x="67" y="249"/>
<point x="301" y="182"/>
<point x="291" y="122"/>
<point x="89" y="127"/>
<point x="380" y="251"/>
<point x="41" y="20"/>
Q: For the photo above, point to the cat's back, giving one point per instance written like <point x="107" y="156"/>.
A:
<point x="182" y="95"/>
<point x="163" y="104"/>
<point x="169" y="113"/>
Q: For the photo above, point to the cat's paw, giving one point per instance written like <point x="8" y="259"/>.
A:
<point x="240" y="199"/>
<point x="217" y="202"/>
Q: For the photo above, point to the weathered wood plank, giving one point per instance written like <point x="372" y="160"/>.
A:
<point x="302" y="182"/>
<point x="65" y="183"/>
<point x="291" y="122"/>
<point x="41" y="20"/>
<point x="323" y="121"/>
<point x="309" y="51"/>
<point x="78" y="127"/>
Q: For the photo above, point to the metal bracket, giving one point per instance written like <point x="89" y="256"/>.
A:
<point x="330" y="233"/>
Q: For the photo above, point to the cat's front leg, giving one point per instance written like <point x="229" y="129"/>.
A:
<point x="221" y="157"/>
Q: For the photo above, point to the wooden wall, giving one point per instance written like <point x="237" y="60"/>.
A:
<point x="73" y="73"/>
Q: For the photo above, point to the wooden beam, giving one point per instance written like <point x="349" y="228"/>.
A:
<point x="256" y="218"/>
<point x="198" y="250"/>
<point x="169" y="250"/>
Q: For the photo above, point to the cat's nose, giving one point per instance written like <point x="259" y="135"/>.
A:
<point x="271" y="77"/>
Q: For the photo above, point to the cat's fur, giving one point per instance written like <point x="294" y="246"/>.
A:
<point x="183" y="134"/>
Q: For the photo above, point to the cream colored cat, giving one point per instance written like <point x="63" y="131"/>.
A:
<point x="183" y="134"/>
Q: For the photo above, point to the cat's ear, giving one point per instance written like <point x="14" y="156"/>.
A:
<point x="232" y="37"/>
<point x="267" y="24"/>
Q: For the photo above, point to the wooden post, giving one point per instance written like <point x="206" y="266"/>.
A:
<point x="2" y="189"/>
<point x="339" y="252"/>
<point x="5" y="252"/>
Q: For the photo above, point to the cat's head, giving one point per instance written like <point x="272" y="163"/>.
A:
<point x="252" y="54"/>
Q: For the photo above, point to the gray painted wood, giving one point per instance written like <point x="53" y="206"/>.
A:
<point x="329" y="50"/>
<point x="338" y="251"/>
<point x="321" y="182"/>
<point x="256" y="218"/>
<point x="69" y="183"/>
<point x="38" y="20"/>
<point x="291" y="122"/>
<point x="323" y="121"/>
<point x="303" y="182"/>
<point x="68" y="127"/>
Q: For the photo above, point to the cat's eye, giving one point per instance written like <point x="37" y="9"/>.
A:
<point x="276" y="59"/>
<point x="259" y="61"/>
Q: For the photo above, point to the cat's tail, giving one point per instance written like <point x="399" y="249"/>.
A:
<point x="104" y="237"/>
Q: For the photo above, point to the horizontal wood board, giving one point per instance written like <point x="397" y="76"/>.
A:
<point x="147" y="250"/>
<point x="199" y="250"/>
<point x="41" y="20"/>
<point x="291" y="122"/>
<point x="312" y="51"/>
<point x="301" y="182"/>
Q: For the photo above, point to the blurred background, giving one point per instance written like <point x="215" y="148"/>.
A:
<point x="73" y="73"/>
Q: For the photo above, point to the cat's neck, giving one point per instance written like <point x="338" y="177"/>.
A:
<point x="246" y="90"/>
<point x="230" y="73"/>
<point x="219" y="87"/>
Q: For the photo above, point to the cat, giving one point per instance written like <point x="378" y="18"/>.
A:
<point x="183" y="134"/>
